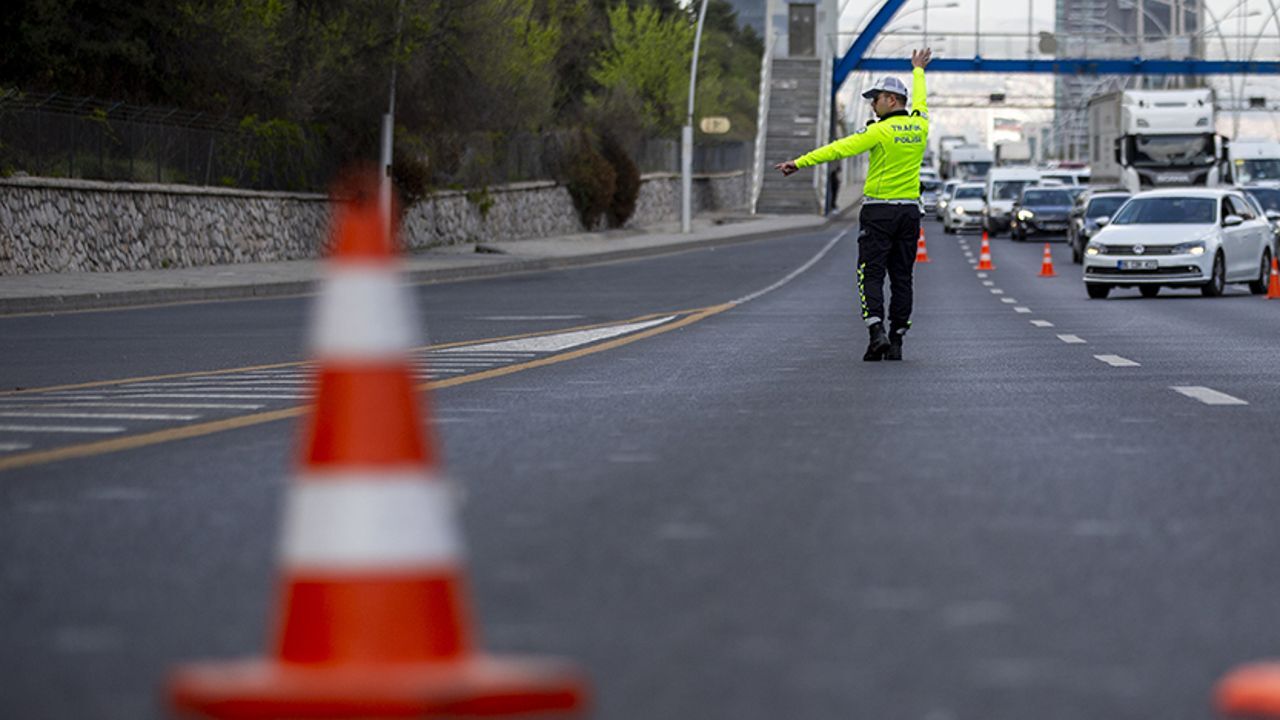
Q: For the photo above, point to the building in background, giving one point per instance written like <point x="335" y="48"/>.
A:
<point x="751" y="13"/>
<point x="804" y="28"/>
<point x="1152" y="29"/>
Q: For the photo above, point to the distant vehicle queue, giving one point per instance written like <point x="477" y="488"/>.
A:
<point x="1179" y="237"/>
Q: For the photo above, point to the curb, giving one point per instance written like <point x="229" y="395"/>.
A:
<point x="128" y="298"/>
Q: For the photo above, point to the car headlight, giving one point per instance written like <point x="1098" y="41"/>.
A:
<point x="1025" y="214"/>
<point x="957" y="210"/>
<point x="1092" y="250"/>
<point x="1190" y="248"/>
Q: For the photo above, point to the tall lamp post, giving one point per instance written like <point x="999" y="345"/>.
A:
<point x="389" y="129"/>
<point x="686" y="135"/>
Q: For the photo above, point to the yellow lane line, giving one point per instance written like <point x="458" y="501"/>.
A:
<point x="298" y="363"/>
<point x="40" y="457"/>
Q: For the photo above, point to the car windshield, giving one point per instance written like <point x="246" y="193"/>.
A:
<point x="1268" y="198"/>
<point x="1008" y="189"/>
<point x="968" y="193"/>
<point x="929" y="185"/>
<point x="974" y="169"/>
<point x="1168" y="211"/>
<point x="1098" y="207"/>
<point x="1261" y="169"/>
<point x="1046" y="197"/>
<point x="1173" y="150"/>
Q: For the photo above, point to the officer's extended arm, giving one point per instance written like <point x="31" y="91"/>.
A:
<point x="919" y="58"/>
<point x="859" y="142"/>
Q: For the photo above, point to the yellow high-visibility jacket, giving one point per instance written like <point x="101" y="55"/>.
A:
<point x="896" y="143"/>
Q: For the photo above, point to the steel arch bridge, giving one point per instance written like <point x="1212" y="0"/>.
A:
<point x="855" y="59"/>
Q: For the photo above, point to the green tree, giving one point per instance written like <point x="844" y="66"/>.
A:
<point x="649" y="54"/>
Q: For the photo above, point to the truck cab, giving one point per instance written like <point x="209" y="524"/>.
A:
<point x="1144" y="139"/>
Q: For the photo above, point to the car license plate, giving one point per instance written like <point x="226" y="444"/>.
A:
<point x="1139" y="264"/>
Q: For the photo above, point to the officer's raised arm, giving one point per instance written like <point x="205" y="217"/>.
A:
<point x="919" y="58"/>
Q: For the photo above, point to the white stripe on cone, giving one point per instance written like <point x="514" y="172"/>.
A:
<point x="350" y="301"/>
<point x="373" y="520"/>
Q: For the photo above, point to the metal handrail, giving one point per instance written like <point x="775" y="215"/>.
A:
<point x="762" y="121"/>
<point x="823" y="129"/>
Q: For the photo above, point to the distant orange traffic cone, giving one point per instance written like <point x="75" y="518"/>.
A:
<point x="984" y="254"/>
<point x="1046" y="265"/>
<point x="922" y="252"/>
<point x="374" y="617"/>
<point x="1273" y="287"/>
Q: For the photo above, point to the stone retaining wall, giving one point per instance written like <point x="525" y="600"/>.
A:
<point x="54" y="225"/>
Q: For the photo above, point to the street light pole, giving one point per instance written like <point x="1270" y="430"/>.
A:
<point x="388" y="129"/>
<point x="686" y="135"/>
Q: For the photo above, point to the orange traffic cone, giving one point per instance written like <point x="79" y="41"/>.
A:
<point x="922" y="252"/>
<point x="1252" y="691"/>
<point x="374" y="619"/>
<point x="1046" y="265"/>
<point x="984" y="254"/>
<point x="1273" y="287"/>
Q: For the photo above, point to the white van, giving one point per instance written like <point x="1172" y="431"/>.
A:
<point x="1004" y="185"/>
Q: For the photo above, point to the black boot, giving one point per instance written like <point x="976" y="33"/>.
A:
<point x="895" y="344"/>
<point x="879" y="342"/>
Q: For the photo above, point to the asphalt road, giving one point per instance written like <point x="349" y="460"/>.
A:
<point x="736" y="518"/>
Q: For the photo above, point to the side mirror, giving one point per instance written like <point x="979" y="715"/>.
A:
<point x="1232" y="220"/>
<point x="1103" y="221"/>
<point x="1273" y="215"/>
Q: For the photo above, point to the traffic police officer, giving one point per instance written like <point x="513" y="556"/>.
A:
<point x="890" y="216"/>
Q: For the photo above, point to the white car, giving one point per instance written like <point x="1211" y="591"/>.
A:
<point x="1187" y="237"/>
<point x="964" y="209"/>
<point x="944" y="197"/>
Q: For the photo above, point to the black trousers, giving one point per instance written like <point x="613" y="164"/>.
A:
<point x="887" y="242"/>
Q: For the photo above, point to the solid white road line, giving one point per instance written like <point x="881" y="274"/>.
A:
<point x="95" y="416"/>
<point x="1022" y="309"/>
<point x="1117" y="361"/>
<point x="99" y="429"/>
<point x="1042" y="323"/>
<point x="1208" y="396"/>
<point x="1071" y="339"/>
<point x="794" y="273"/>
<point x="11" y="446"/>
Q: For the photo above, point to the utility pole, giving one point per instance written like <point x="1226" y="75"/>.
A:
<point x="686" y="135"/>
<point x="389" y="128"/>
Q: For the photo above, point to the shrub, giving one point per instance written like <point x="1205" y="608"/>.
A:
<point x="590" y="180"/>
<point x="626" y="189"/>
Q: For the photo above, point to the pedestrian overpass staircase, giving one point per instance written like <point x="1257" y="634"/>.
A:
<point x="793" y="119"/>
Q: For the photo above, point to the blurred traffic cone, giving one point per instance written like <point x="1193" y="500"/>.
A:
<point x="374" y="619"/>
<point x="1251" y="691"/>
<point x="922" y="252"/>
<point x="1046" y="265"/>
<point x="1273" y="287"/>
<point x="984" y="254"/>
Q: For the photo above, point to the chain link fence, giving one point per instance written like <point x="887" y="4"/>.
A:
<point x="54" y="135"/>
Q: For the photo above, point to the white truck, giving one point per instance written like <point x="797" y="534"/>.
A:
<point x="1144" y="139"/>
<point x="946" y="144"/>
<point x="968" y="163"/>
<point x="1013" y="153"/>
<point x="1253" y="162"/>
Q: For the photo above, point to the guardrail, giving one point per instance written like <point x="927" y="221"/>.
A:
<point x="762" y="121"/>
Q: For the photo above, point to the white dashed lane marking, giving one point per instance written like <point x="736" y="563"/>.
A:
<point x="1071" y="339"/>
<point x="997" y="291"/>
<point x="1008" y="301"/>
<point x="1208" y="396"/>
<point x="95" y="416"/>
<point x="1022" y="310"/>
<point x="93" y="429"/>
<point x="989" y="283"/>
<point x="1042" y="323"/>
<point x="1117" y="361"/>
